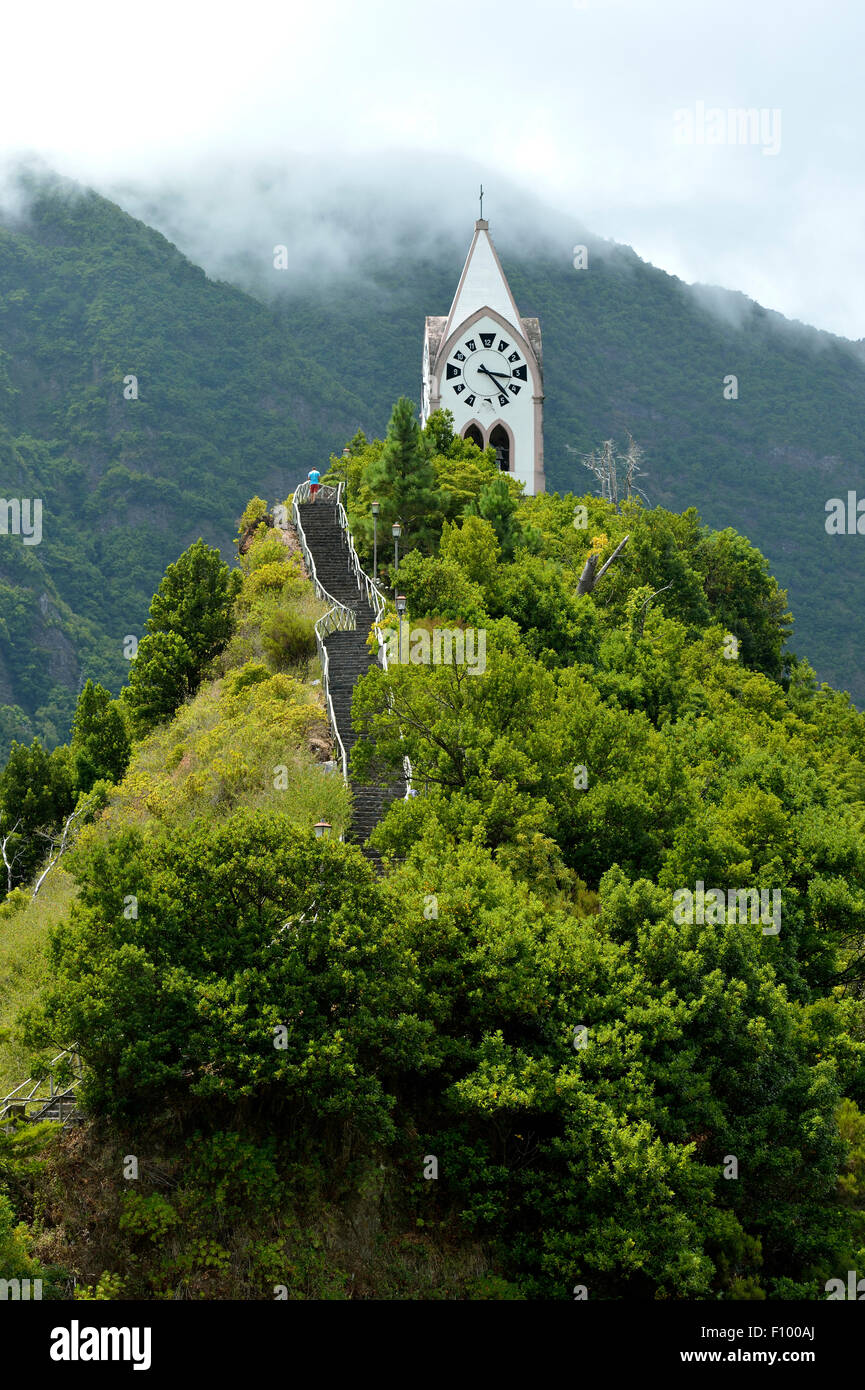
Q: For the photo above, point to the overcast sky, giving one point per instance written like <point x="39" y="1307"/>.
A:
<point x="607" y="110"/>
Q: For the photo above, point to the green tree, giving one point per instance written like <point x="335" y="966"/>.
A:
<point x="498" y="505"/>
<point x="747" y="599"/>
<point x="162" y="676"/>
<point x="194" y="601"/>
<point x="403" y="479"/>
<point x="191" y="619"/>
<point x="473" y="546"/>
<point x="261" y="969"/>
<point x="100" y="743"/>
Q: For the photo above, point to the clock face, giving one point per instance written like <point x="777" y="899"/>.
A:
<point x="486" y="367"/>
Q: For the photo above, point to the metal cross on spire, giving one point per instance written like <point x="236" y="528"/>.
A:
<point x="482" y="202"/>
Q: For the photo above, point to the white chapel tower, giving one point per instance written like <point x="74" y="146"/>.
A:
<point x="483" y="363"/>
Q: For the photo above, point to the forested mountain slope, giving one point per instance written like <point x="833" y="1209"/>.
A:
<point x="226" y="405"/>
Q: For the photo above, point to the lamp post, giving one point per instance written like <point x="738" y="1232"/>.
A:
<point x="322" y="827"/>
<point x="376" y="507"/>
<point x="400" y="609"/>
<point x="396" y="532"/>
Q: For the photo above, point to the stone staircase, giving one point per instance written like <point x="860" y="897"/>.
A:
<point x="349" y="658"/>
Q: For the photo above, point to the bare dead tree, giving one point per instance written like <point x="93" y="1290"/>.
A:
<point x="640" y="614"/>
<point x="607" y="465"/>
<point x="632" y="463"/>
<point x="602" y="462"/>
<point x="10" y="858"/>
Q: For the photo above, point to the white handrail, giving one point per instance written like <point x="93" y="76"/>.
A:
<point x="13" y="1099"/>
<point x="338" y="618"/>
<point x="377" y="603"/>
<point x="366" y="586"/>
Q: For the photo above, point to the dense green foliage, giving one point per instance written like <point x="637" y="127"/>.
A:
<point x="222" y="953"/>
<point x="619" y="748"/>
<point x="612" y="1095"/>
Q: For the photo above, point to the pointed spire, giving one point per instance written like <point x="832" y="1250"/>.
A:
<point x="482" y="283"/>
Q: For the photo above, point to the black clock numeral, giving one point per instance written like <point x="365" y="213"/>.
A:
<point x="459" y="357"/>
<point x="472" y="345"/>
<point x="503" y="400"/>
<point x="514" y="357"/>
<point x="503" y="346"/>
<point x="470" y="400"/>
<point x="459" y="388"/>
<point x="488" y="339"/>
<point x="521" y="372"/>
<point x="454" y="371"/>
<point x="515" y="389"/>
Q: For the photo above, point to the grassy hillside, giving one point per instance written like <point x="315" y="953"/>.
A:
<point x="23" y="934"/>
<point x="220" y="751"/>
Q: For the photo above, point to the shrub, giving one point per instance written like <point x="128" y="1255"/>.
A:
<point x="288" y="638"/>
<point x="150" y="1218"/>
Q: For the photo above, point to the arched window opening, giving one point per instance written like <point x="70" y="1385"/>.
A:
<point x="473" y="433"/>
<point x="502" y="445"/>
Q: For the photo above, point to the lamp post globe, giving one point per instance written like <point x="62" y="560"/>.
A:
<point x="375" y="508"/>
<point x="396" y="532"/>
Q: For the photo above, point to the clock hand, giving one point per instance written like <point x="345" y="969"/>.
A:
<point x="494" y="375"/>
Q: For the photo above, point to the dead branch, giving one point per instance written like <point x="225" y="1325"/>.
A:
<point x="632" y="461"/>
<point x="62" y="842"/>
<point x="588" y="578"/>
<point x="4" y="850"/>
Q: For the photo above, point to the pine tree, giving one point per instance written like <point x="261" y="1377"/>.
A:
<point x="498" y="505"/>
<point x="194" y="600"/>
<point x="404" y="481"/>
<point x="162" y="676"/>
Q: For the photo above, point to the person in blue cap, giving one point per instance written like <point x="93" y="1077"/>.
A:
<point x="314" y="479"/>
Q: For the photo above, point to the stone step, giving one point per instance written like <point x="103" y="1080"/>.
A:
<point x="349" y="657"/>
